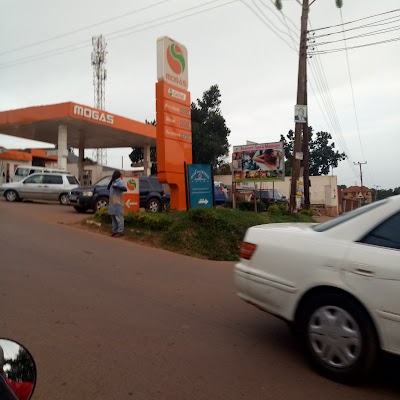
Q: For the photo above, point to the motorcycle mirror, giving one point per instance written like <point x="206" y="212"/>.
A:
<point x="17" y="371"/>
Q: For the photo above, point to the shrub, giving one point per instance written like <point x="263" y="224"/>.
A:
<point x="309" y="213"/>
<point x="281" y="209"/>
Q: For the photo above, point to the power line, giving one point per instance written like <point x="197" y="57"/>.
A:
<point x="316" y="52"/>
<point x="81" y="29"/>
<point x="370" y="25"/>
<point x="373" y="33"/>
<point x="263" y="21"/>
<point x="334" y="125"/>
<point x="356" y="20"/>
<point x="353" y="98"/>
<point x="83" y="44"/>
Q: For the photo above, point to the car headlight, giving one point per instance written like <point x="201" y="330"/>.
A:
<point x="87" y="194"/>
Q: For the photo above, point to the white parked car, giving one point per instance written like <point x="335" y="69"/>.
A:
<point x="336" y="283"/>
<point x="46" y="186"/>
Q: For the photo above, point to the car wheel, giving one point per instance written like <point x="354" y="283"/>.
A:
<point x="153" y="205"/>
<point x="80" y="209"/>
<point x="11" y="195"/>
<point x="101" y="202"/>
<point x="63" y="199"/>
<point x="339" y="337"/>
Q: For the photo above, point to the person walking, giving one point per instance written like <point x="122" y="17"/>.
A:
<point x="116" y="203"/>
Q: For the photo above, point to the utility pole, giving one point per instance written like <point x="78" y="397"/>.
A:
<point x="301" y="99"/>
<point x="376" y="192"/>
<point x="360" y="164"/>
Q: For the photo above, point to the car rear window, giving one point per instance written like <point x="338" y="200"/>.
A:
<point x="156" y="185"/>
<point x="72" y="180"/>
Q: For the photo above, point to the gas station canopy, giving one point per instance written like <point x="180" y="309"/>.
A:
<point x="85" y="127"/>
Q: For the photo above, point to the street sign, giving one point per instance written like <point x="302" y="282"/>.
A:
<point x="201" y="186"/>
<point x="132" y="196"/>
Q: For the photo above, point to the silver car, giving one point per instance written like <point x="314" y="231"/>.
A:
<point x="42" y="186"/>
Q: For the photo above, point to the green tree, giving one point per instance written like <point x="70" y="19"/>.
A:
<point x="223" y="169"/>
<point x="137" y="154"/>
<point x="385" y="193"/>
<point x="323" y="155"/>
<point x="22" y="367"/>
<point x="209" y="130"/>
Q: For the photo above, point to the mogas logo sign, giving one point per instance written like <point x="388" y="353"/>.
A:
<point x="175" y="59"/>
<point x="172" y="64"/>
<point x="96" y="115"/>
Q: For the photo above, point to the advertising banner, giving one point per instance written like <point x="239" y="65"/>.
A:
<point x="201" y="186"/>
<point x="258" y="162"/>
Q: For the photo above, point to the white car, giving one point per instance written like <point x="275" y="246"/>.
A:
<point x="43" y="186"/>
<point x="336" y="283"/>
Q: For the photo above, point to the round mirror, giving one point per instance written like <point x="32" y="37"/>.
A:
<point x="17" y="371"/>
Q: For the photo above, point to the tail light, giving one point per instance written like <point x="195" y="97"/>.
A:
<point x="247" y="250"/>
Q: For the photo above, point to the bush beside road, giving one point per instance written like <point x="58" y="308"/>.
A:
<point x="213" y="234"/>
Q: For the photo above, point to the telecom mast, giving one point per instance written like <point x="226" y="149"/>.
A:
<point x="99" y="83"/>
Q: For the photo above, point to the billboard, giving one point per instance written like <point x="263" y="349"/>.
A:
<point x="258" y="162"/>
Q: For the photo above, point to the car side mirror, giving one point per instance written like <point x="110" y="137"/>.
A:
<point x="17" y="371"/>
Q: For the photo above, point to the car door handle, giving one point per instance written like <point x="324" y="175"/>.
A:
<point x="364" y="272"/>
<point x="362" y="269"/>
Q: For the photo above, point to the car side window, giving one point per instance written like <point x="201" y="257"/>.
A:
<point x="387" y="234"/>
<point x="53" y="179"/>
<point x="34" y="179"/>
<point x="144" y="185"/>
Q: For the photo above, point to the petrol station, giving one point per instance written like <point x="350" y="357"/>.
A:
<point x="71" y="125"/>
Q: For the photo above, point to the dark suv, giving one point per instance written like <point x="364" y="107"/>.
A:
<point x="95" y="197"/>
<point x="269" y="196"/>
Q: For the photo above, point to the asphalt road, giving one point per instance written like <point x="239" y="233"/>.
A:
<point x="108" y="319"/>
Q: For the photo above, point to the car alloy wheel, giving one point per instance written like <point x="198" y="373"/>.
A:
<point x="101" y="203"/>
<point x="153" y="206"/>
<point x="64" y="199"/>
<point x="11" y="195"/>
<point x="335" y="336"/>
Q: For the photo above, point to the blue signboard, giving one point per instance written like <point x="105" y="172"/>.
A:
<point x="201" y="186"/>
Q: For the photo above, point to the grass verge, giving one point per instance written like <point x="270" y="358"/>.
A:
<point x="213" y="234"/>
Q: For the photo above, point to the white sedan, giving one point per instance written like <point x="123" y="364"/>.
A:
<point x="337" y="283"/>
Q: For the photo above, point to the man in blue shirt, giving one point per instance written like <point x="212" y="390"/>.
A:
<point x="116" y="204"/>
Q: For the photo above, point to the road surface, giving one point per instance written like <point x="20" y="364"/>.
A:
<point x="108" y="319"/>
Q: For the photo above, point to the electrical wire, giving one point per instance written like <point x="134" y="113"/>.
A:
<point x="356" y="20"/>
<point x="82" y="29"/>
<point x="380" y="32"/>
<point x="327" y="51"/>
<point x="370" y="25"/>
<point x="263" y="21"/>
<point x="83" y="44"/>
<point x="352" y="95"/>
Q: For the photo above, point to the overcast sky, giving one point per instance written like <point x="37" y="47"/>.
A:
<point x="239" y="45"/>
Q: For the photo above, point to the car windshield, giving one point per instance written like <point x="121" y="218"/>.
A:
<point x="22" y="172"/>
<point x="347" y="216"/>
<point x="103" y="182"/>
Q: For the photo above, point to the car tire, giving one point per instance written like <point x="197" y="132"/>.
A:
<point x="101" y="202"/>
<point x="11" y="195"/>
<point x="63" y="199"/>
<point x="339" y="337"/>
<point x="153" y="205"/>
<point x="80" y="209"/>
